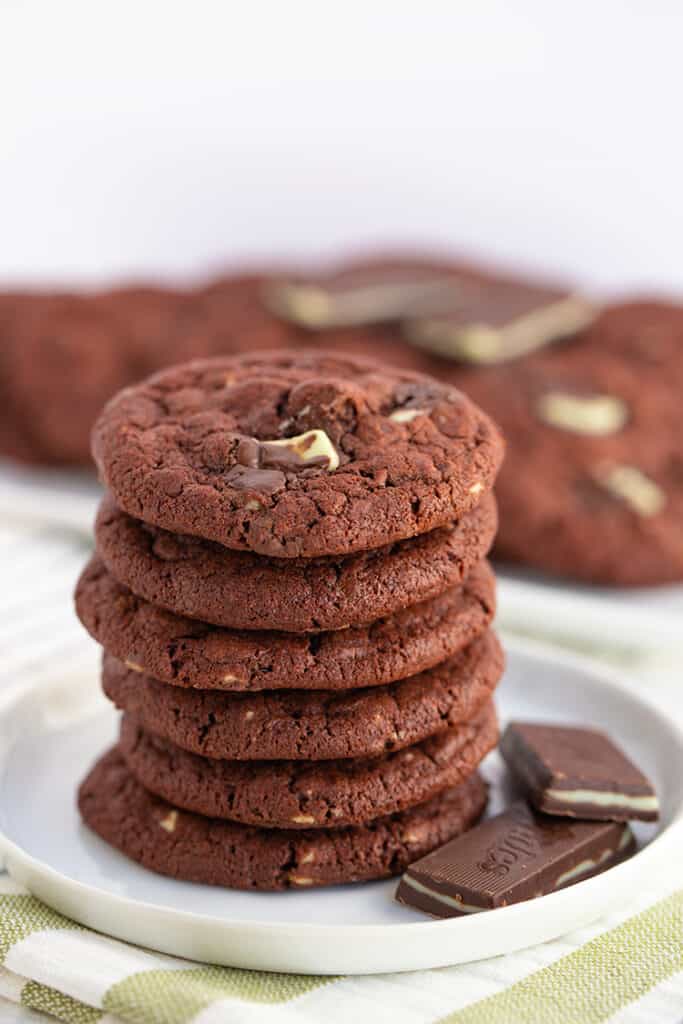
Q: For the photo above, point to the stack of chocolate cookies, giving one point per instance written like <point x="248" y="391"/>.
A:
<point x="292" y="593"/>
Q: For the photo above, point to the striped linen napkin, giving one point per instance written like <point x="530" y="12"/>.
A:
<point x="628" y="967"/>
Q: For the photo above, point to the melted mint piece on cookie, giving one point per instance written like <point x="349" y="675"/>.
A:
<point x="593" y="415"/>
<point x="631" y="485"/>
<point x="313" y="448"/>
<point x="367" y="296"/>
<point x="262" y="465"/>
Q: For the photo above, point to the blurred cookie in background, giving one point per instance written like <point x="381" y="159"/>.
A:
<point x="62" y="356"/>
<point x="592" y="486"/>
<point x="14" y="443"/>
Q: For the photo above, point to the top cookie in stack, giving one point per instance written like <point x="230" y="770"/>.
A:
<point x="291" y="572"/>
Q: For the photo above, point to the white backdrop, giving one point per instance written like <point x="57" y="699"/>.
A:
<point x="161" y="138"/>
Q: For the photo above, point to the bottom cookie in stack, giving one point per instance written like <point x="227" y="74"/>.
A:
<point x="188" y="846"/>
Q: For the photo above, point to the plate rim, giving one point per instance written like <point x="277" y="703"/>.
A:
<point x="19" y="863"/>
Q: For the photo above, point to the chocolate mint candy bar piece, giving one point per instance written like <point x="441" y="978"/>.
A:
<point x="513" y="857"/>
<point x="497" y="321"/>
<point x="363" y="295"/>
<point x="577" y="772"/>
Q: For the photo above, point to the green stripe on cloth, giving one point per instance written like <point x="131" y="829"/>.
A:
<point x="20" y="916"/>
<point x="593" y="983"/>
<point x="47" y="1000"/>
<point x="176" y="996"/>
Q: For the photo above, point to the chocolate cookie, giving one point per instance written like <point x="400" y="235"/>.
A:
<point x="86" y="340"/>
<point x="592" y="486"/>
<point x="308" y="794"/>
<point x="315" y="724"/>
<point x="189" y="653"/>
<point x="204" y="580"/>
<point x="646" y="332"/>
<point x="295" y="454"/>
<point x="196" y="849"/>
<point x="101" y="342"/>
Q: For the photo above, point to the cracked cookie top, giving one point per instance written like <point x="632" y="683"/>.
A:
<point x="294" y="454"/>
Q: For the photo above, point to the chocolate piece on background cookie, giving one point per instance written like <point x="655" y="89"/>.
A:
<point x="451" y="309"/>
<point x="499" y="321"/>
<point x="197" y="849"/>
<point x="371" y="292"/>
<point x="313" y="724"/>
<point x="240" y="590"/>
<point x="577" y="772"/>
<point x="190" y="653"/>
<point x="185" y="451"/>
<point x="308" y="794"/>
<point x="512" y="857"/>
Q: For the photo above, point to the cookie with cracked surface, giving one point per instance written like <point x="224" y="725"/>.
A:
<point x="314" y="724"/>
<point x="308" y="794"/>
<point x="205" y="580"/>
<point x="196" y="849"/>
<point x="190" y="653"/>
<point x="296" y="454"/>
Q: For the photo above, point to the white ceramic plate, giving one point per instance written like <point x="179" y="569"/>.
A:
<point x="49" y="737"/>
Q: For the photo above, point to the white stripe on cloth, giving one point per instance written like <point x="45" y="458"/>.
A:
<point x="11" y="1010"/>
<point x="278" y="1013"/>
<point x="664" y="1004"/>
<point x="13" y="1013"/>
<point x="83" y="965"/>
<point x="11" y="985"/>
